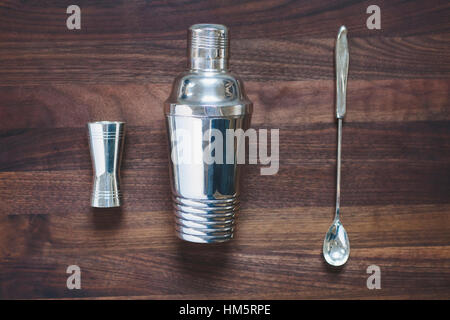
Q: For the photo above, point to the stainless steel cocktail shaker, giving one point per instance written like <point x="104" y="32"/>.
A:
<point x="207" y="104"/>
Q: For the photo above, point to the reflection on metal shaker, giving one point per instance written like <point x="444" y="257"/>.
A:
<point x="205" y="103"/>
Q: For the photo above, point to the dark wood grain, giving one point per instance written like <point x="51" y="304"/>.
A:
<point x="394" y="170"/>
<point x="277" y="103"/>
<point x="309" y="184"/>
<point x="396" y="151"/>
<point x="150" y="61"/>
<point x="276" y="254"/>
<point x="157" y="20"/>
<point x="65" y="148"/>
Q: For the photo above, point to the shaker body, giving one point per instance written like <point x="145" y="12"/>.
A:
<point x="205" y="106"/>
<point x="205" y="195"/>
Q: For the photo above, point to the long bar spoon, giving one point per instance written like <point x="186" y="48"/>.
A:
<point x="336" y="246"/>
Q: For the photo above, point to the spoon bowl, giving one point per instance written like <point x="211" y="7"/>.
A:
<point x="336" y="246"/>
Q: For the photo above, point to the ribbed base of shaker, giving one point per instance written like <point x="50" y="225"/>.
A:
<point x="106" y="200"/>
<point x="205" y="221"/>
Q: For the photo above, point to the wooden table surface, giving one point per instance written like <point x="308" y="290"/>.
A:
<point x="119" y="66"/>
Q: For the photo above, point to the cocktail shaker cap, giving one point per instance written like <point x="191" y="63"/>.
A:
<point x="208" y="47"/>
<point x="208" y="88"/>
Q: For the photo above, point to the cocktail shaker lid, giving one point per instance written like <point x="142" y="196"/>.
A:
<point x="208" y="35"/>
<point x="208" y="47"/>
<point x="208" y="88"/>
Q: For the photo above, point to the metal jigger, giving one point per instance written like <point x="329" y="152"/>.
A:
<point x="106" y="144"/>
